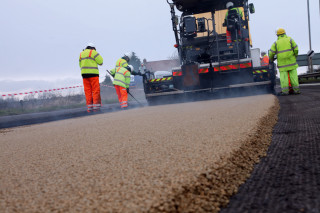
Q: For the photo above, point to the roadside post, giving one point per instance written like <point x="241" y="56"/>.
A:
<point x="310" y="45"/>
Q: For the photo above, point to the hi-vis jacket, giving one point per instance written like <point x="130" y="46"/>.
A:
<point x="239" y="11"/>
<point x="121" y="77"/>
<point x="264" y="61"/>
<point x="89" y="61"/>
<point x="122" y="63"/>
<point x="121" y="73"/>
<point x="287" y="51"/>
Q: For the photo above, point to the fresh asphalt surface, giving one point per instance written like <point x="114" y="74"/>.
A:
<point x="286" y="180"/>
<point x="42" y="117"/>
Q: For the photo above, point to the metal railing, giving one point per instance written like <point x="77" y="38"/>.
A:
<point x="302" y="60"/>
<point x="310" y="75"/>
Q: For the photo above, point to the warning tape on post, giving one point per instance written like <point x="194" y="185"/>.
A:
<point x="41" y="91"/>
<point x="49" y="90"/>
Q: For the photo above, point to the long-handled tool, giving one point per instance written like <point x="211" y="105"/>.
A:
<point x="135" y="99"/>
<point x="130" y="93"/>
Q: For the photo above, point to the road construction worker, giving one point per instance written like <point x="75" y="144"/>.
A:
<point x="121" y="74"/>
<point x="230" y="7"/>
<point x="286" y="50"/>
<point x="88" y="62"/>
<point x="264" y="59"/>
<point x="123" y="62"/>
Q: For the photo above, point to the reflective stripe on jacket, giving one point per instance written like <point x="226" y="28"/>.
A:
<point x="89" y="61"/>
<point x="121" y="77"/>
<point x="265" y="61"/>
<point x="121" y="63"/>
<point x="287" y="51"/>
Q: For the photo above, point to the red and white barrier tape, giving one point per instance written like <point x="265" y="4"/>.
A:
<point x="41" y="91"/>
<point x="49" y="90"/>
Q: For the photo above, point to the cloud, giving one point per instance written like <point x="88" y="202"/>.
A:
<point x="43" y="39"/>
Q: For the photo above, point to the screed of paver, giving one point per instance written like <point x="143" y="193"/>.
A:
<point x="120" y="162"/>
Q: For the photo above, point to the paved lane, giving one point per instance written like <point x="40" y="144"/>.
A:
<point x="43" y="117"/>
<point x="126" y="161"/>
<point x="288" y="179"/>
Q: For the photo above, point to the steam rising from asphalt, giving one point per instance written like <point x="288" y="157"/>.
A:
<point x="44" y="117"/>
<point x="216" y="94"/>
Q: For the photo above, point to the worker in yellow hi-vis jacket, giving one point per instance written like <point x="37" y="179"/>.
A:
<point x="287" y="51"/>
<point x="121" y="74"/>
<point x="88" y="62"/>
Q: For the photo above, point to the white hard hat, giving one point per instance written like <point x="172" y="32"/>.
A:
<point x="91" y="45"/>
<point x="131" y="67"/>
<point x="129" y="54"/>
<point x="229" y="4"/>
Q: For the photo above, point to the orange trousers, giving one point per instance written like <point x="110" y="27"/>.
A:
<point x="92" y="92"/>
<point x="122" y="96"/>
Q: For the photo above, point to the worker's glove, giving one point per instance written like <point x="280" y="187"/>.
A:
<point x="127" y="90"/>
<point x="271" y="60"/>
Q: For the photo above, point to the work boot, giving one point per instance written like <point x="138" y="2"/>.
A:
<point x="291" y="91"/>
<point x="296" y="92"/>
<point x="282" y="94"/>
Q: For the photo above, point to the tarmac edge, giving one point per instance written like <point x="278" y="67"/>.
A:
<point x="212" y="190"/>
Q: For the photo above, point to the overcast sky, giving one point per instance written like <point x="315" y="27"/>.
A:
<point x="42" y="39"/>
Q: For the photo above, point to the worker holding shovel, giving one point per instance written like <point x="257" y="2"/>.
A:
<point x="121" y="83"/>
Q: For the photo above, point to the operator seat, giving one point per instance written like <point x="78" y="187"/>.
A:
<point x="189" y="27"/>
<point x="234" y="24"/>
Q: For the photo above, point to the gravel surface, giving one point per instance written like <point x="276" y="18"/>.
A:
<point x="141" y="160"/>
<point x="288" y="178"/>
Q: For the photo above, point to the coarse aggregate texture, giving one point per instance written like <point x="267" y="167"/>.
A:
<point x="140" y="160"/>
<point x="212" y="189"/>
<point x="288" y="178"/>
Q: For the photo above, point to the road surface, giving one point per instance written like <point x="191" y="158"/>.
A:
<point x="288" y="178"/>
<point x="140" y="160"/>
<point x="43" y="117"/>
<point x="187" y="157"/>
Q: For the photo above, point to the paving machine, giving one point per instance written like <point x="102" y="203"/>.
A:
<point x="208" y="62"/>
